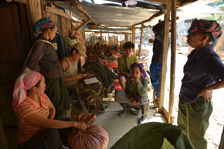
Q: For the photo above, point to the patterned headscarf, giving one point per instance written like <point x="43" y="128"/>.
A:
<point x="140" y="66"/>
<point x="210" y="27"/>
<point x="24" y="82"/>
<point x="43" y="24"/>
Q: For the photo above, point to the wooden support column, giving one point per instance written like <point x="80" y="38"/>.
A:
<point x="101" y="37"/>
<point x="140" y="44"/>
<point x="126" y="37"/>
<point x="83" y="24"/>
<point x="164" y="58"/>
<point x="173" y="59"/>
<point x="35" y="10"/>
<point x="84" y="35"/>
<point x="133" y="34"/>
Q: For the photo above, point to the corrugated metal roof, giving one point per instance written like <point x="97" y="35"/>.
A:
<point x="111" y="15"/>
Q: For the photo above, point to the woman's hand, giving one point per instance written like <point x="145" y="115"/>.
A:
<point x="81" y="125"/>
<point x="136" y="79"/>
<point x="207" y="94"/>
<point x="80" y="75"/>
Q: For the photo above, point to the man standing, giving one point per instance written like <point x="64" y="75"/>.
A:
<point x="156" y="63"/>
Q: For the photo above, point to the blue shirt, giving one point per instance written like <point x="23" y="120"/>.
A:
<point x="203" y="68"/>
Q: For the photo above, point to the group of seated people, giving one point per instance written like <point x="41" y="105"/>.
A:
<point x="40" y="93"/>
<point x="134" y="83"/>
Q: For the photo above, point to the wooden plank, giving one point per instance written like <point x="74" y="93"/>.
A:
<point x="63" y="26"/>
<point x="98" y="32"/>
<point x="164" y="58"/>
<point x="69" y="25"/>
<point x="158" y="1"/>
<point x="83" y="24"/>
<point x="57" y="12"/>
<point x="173" y="58"/>
<point x="35" y="10"/>
<point x="167" y="1"/>
<point x="19" y="1"/>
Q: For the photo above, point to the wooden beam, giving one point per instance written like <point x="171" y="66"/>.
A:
<point x="111" y="29"/>
<point x="98" y="32"/>
<point x="149" y="19"/>
<point x="164" y="57"/>
<point x="140" y="44"/>
<point x="81" y="9"/>
<point x="58" y="12"/>
<point x="167" y="1"/>
<point x="19" y="1"/>
<point x="157" y="1"/>
<point x="83" y="24"/>
<point x="173" y="58"/>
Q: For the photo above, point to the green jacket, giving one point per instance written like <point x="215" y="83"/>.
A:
<point x="125" y="62"/>
<point x="133" y="89"/>
<point x="152" y="136"/>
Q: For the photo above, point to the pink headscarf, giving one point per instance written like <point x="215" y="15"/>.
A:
<point x="24" y="82"/>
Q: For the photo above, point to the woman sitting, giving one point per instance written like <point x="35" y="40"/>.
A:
<point x="37" y="128"/>
<point x="70" y="67"/>
<point x="134" y="94"/>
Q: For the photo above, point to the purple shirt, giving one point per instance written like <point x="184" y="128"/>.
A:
<point x="203" y="68"/>
<point x="43" y="58"/>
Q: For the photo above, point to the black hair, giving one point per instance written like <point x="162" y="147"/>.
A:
<point x="158" y="28"/>
<point x="129" y="45"/>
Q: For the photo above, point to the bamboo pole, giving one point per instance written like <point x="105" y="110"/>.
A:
<point x="173" y="58"/>
<point x="140" y="44"/>
<point x="164" y="58"/>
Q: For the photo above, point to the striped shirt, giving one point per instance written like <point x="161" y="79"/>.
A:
<point x="27" y="107"/>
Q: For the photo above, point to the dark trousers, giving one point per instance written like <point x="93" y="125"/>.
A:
<point x="58" y="94"/>
<point x="193" y="120"/>
<point x="49" y="138"/>
<point x="155" y="72"/>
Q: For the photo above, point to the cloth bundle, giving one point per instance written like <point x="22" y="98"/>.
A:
<point x="94" y="137"/>
<point x="206" y="26"/>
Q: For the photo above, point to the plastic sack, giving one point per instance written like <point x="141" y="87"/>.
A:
<point x="94" y="137"/>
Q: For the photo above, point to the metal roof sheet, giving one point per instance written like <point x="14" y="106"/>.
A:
<point x="110" y="15"/>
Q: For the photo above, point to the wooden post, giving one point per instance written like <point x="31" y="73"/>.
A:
<point x="83" y="24"/>
<point x="164" y="58"/>
<point x="133" y="34"/>
<point x="173" y="58"/>
<point x="35" y="10"/>
<point x="126" y="37"/>
<point x="84" y="35"/>
<point x="101" y="37"/>
<point x="140" y="44"/>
